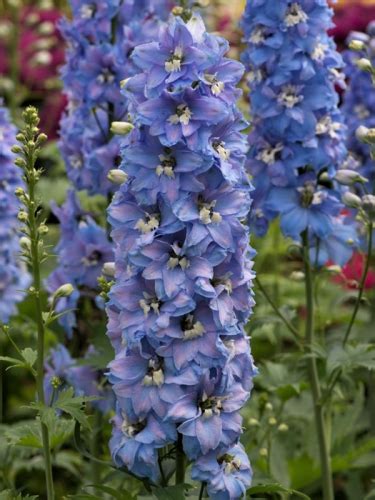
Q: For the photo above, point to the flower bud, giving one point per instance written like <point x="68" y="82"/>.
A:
<point x="357" y="45"/>
<point x="22" y="216"/>
<point x="351" y="200"/>
<point x="272" y="421"/>
<point x="369" y="138"/>
<point x="269" y="406"/>
<point x="25" y="243"/>
<point x="361" y="132"/>
<point x="16" y="149"/>
<point x="109" y="269"/>
<point x="297" y="276"/>
<point x="253" y="422"/>
<point x="263" y="452"/>
<point x="364" y="64"/>
<point x="117" y="176"/>
<point x="283" y="428"/>
<point x="64" y="291"/>
<point x="121" y="128"/>
<point x="349" y="177"/>
<point x="368" y="204"/>
<point x="43" y="229"/>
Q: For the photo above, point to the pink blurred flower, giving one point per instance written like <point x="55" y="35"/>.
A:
<point x="352" y="273"/>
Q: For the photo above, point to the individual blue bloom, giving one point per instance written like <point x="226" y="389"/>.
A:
<point x="298" y="134"/>
<point x="82" y="251"/>
<point x="13" y="274"/>
<point x="227" y="474"/>
<point x="338" y="246"/>
<point x="62" y="371"/>
<point x="183" y="270"/>
<point x="135" y="443"/>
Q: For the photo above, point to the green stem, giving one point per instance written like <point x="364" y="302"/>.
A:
<point x="35" y="265"/>
<point x="325" y="460"/>
<point x="287" y="323"/>
<point x="180" y="462"/>
<point x="201" y="492"/>
<point x="361" y="285"/>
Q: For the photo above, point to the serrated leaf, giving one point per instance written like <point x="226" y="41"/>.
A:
<point x="351" y="357"/>
<point x="73" y="405"/>
<point x="25" y="435"/>
<point x="14" y="362"/>
<point x="274" y="488"/>
<point x="10" y="495"/>
<point x="29" y="355"/>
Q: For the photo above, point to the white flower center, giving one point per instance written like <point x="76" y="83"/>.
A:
<point x="361" y="111"/>
<point x="258" y="35"/>
<point x="149" y="303"/>
<point x="87" y="11"/>
<point x="289" y="96"/>
<point x="173" y="64"/>
<point x="207" y="215"/>
<point x="193" y="330"/>
<point x="268" y="155"/>
<point x="166" y="167"/>
<point x="147" y="226"/>
<point x="224" y="153"/>
<point x="217" y="86"/>
<point x="319" y="51"/>
<point x="326" y="126"/>
<point x="295" y="15"/>
<point x="183" y="115"/>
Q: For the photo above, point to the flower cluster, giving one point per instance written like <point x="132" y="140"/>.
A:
<point x="182" y="291"/>
<point x="100" y="38"/>
<point x="82" y="251"/>
<point x="13" y="275"/>
<point x="359" y="102"/>
<point x="297" y="140"/>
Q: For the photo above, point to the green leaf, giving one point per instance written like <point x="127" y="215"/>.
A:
<point x="74" y="406"/>
<point x="274" y="488"/>
<point x="172" y="492"/>
<point x="351" y="357"/>
<point x="29" y="355"/>
<point x="25" y="435"/>
<point x="119" y="495"/>
<point x="370" y="495"/>
<point x="10" y="495"/>
<point x="14" y="362"/>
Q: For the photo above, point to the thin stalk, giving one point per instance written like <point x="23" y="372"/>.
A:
<point x="201" y="492"/>
<point x="287" y="323"/>
<point x="35" y="265"/>
<point x="361" y="284"/>
<point x="324" y="452"/>
<point x="180" y="462"/>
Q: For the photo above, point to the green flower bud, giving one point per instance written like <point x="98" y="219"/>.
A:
<point x="349" y="177"/>
<point x="109" y="269"/>
<point x="121" y="128"/>
<point x="117" y="176"/>
<point x="357" y="45"/>
<point x="64" y="291"/>
<point x="283" y="428"/>
<point x="351" y="200"/>
<point x="364" y="64"/>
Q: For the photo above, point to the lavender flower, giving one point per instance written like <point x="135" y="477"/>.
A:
<point x="100" y="38"/>
<point x="13" y="274"/>
<point x="82" y="251"/>
<point x="182" y="291"/>
<point x="359" y="103"/>
<point x="298" y="137"/>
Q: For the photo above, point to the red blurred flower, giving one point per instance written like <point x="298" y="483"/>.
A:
<point x="352" y="273"/>
<point x="352" y="17"/>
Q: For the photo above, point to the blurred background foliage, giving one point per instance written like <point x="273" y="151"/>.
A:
<point x="279" y="436"/>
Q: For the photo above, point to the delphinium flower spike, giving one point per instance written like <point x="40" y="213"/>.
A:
<point x="183" y="265"/>
<point x="14" y="277"/>
<point x="298" y="137"/>
<point x="100" y="37"/>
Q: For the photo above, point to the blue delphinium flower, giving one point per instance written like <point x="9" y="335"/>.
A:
<point x="13" y="274"/>
<point x="298" y="136"/>
<point x="182" y="291"/>
<point x="82" y="251"/>
<point x="359" y="103"/>
<point x="62" y="372"/>
<point x="100" y="38"/>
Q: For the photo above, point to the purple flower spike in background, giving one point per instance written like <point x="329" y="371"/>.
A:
<point x="100" y="39"/>
<point x="298" y="136"/>
<point x="13" y="274"/>
<point x="182" y="292"/>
